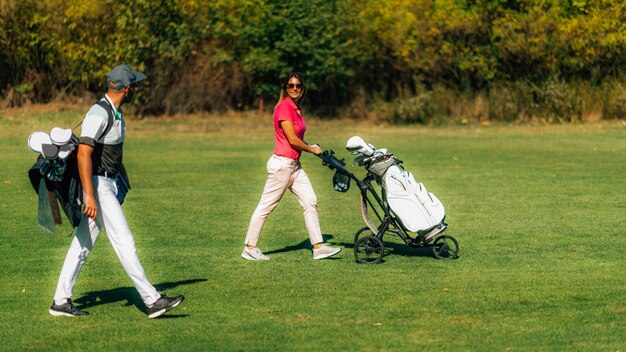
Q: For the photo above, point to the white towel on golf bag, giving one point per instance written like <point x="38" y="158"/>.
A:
<point x="417" y="208"/>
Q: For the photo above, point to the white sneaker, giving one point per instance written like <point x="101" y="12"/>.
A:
<point x="325" y="251"/>
<point x="253" y="254"/>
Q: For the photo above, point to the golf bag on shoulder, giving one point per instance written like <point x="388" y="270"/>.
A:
<point x="55" y="176"/>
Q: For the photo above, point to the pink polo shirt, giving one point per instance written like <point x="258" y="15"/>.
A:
<point x="287" y="110"/>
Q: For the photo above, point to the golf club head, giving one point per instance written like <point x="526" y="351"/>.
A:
<point x="65" y="150"/>
<point x="43" y="168"/>
<point x="36" y="139"/>
<point x="60" y="136"/>
<point x="61" y="169"/>
<point x="357" y="145"/>
<point x="49" y="151"/>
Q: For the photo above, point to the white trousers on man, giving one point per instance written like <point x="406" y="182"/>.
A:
<point x="111" y="217"/>
<point x="282" y="174"/>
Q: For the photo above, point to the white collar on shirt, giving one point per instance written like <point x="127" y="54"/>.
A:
<point x="106" y="96"/>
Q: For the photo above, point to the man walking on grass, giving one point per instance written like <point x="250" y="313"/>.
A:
<point x="99" y="163"/>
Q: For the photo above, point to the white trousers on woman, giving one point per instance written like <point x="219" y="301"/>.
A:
<point x="282" y="174"/>
<point x="111" y="217"/>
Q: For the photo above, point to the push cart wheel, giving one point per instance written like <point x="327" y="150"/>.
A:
<point x="368" y="250"/>
<point x="363" y="231"/>
<point x="446" y="247"/>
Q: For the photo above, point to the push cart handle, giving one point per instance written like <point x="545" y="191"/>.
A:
<point x="330" y="160"/>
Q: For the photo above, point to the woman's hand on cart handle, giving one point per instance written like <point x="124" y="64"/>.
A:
<point x="327" y="157"/>
<point x="315" y="149"/>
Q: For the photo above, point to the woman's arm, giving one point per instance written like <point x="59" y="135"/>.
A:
<point x="294" y="141"/>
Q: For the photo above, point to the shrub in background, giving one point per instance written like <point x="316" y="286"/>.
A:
<point x="407" y="61"/>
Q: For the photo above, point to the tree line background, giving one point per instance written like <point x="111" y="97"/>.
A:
<point x="399" y="61"/>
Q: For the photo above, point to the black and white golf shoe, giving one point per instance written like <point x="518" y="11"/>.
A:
<point x="163" y="305"/>
<point x="66" y="309"/>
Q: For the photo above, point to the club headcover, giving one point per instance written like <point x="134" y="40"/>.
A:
<point x="49" y="151"/>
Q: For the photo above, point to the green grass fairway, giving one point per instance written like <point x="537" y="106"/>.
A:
<point x="539" y="212"/>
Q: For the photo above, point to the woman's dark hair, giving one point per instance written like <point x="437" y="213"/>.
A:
<point x="283" y="87"/>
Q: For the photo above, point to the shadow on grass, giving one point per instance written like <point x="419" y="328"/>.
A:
<point x="128" y="294"/>
<point x="392" y="248"/>
<point x="305" y="244"/>
<point x="408" y="251"/>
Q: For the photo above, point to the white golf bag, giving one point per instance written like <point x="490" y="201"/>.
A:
<point x="417" y="209"/>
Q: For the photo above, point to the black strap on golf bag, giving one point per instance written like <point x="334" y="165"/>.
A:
<point x="109" y="109"/>
<point x="69" y="190"/>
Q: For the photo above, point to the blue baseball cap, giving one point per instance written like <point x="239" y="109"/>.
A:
<point x="123" y="76"/>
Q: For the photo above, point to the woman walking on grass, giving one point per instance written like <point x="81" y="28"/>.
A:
<point x="285" y="172"/>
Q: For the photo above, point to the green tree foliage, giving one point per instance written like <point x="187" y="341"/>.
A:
<point x="28" y="49"/>
<point x="272" y="38"/>
<point x="415" y="54"/>
<point x="428" y="42"/>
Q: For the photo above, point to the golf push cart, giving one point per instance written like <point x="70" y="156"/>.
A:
<point x="403" y="207"/>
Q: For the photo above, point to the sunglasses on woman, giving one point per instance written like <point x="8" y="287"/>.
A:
<point x="292" y="86"/>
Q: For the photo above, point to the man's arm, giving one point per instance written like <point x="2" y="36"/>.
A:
<point x="85" y="170"/>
